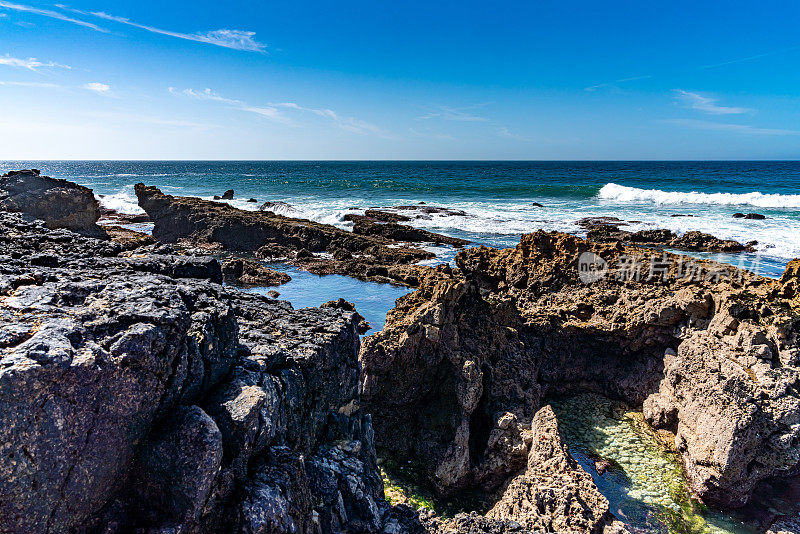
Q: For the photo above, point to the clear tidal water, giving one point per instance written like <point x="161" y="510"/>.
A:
<point x="644" y="481"/>
<point x="305" y="290"/>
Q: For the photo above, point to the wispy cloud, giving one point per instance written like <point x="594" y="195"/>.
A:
<point x="504" y="132"/>
<point x="615" y="82"/>
<point x="235" y="39"/>
<point x="707" y="104"/>
<point x="51" y="14"/>
<point x="432" y="135"/>
<point x="275" y="111"/>
<point x="749" y="58"/>
<point x="31" y="63"/>
<point x="727" y="127"/>
<point x="28" y="84"/>
<point x="447" y="113"/>
<point x="150" y="119"/>
<point x="99" y="88"/>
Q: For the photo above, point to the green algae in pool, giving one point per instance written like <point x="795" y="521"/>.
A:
<point x="404" y="482"/>
<point x="643" y="480"/>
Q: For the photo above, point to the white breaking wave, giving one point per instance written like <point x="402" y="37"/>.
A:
<point x="623" y="193"/>
<point x="124" y="201"/>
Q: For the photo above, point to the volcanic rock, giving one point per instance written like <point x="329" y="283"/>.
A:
<point x="252" y="273"/>
<point x="227" y="195"/>
<point x="137" y="394"/>
<point x="607" y="230"/>
<point x="61" y="204"/>
<point x="200" y="221"/>
<point x="711" y="351"/>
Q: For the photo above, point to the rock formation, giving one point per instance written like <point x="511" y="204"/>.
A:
<point x="61" y="204"/>
<point x="138" y="393"/>
<point x="263" y="232"/>
<point x="249" y="272"/>
<point x="366" y="225"/>
<point x="464" y="362"/>
<point x="607" y="230"/>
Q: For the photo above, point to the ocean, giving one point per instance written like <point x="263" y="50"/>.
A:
<point x="497" y="196"/>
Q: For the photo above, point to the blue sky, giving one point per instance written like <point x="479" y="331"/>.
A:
<point x="401" y="80"/>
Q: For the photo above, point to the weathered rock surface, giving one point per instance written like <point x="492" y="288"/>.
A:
<point x="138" y="394"/>
<point x="263" y="232"/>
<point x="607" y="230"/>
<point x="366" y="225"/>
<point x="252" y="273"/>
<point x="553" y="494"/>
<point x="463" y="363"/>
<point x="61" y="204"/>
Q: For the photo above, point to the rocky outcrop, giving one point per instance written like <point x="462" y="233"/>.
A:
<point x="61" y="204"/>
<point x="464" y="362"/>
<point x="139" y="394"/>
<point x="553" y="494"/>
<point x="607" y="230"/>
<point x="198" y="221"/>
<point x="249" y="272"/>
<point x="366" y="225"/>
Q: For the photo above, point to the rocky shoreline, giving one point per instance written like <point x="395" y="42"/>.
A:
<point x="139" y="394"/>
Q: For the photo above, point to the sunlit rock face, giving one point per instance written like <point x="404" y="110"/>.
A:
<point x="709" y="351"/>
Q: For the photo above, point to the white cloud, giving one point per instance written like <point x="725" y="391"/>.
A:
<point x="97" y="87"/>
<point x="50" y="14"/>
<point x="273" y="111"/>
<point x="235" y="39"/>
<point x="706" y="104"/>
<point x="727" y="127"/>
<point x="31" y="63"/>
<point x="454" y="114"/>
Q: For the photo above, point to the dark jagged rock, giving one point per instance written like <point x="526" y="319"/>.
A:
<point x="341" y="304"/>
<point x="272" y="206"/>
<point x="461" y="366"/>
<point x="137" y="394"/>
<point x="536" y="205"/>
<point x="61" y="204"/>
<point x="365" y="225"/>
<point x="607" y="230"/>
<point x="252" y="200"/>
<point x="227" y="195"/>
<point x="264" y="233"/>
<point x="252" y="273"/>
<point x="750" y="216"/>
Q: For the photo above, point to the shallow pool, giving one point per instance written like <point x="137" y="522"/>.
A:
<point x="642" y="480"/>
<point x="372" y="300"/>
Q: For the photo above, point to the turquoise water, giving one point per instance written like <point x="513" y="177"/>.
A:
<point x="496" y="196"/>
